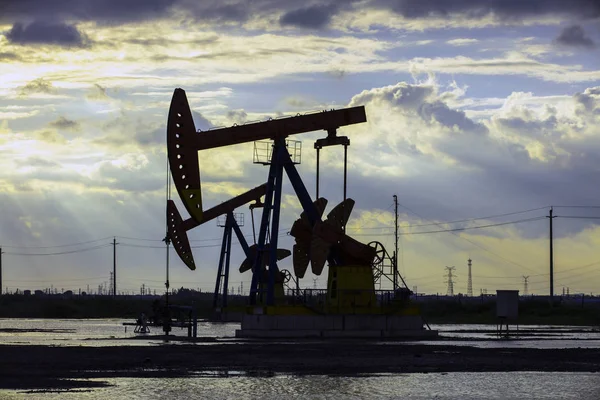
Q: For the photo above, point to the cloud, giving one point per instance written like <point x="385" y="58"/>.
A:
<point x="477" y="9"/>
<point x="314" y="17"/>
<point x="8" y="56"/>
<point x="461" y="42"/>
<point x="97" y="92"/>
<point x="65" y="124"/>
<point x="50" y="137"/>
<point x="201" y="122"/>
<point x="223" y="13"/>
<point x="415" y="143"/>
<point x="238" y="117"/>
<point x="38" y="162"/>
<point x="106" y="11"/>
<point x="574" y="36"/>
<point x="39" y="85"/>
<point x="421" y="101"/>
<point x="47" y="33"/>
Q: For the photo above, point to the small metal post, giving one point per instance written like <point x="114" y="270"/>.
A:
<point x="114" y="267"/>
<point x="395" y="280"/>
<point x="551" y="217"/>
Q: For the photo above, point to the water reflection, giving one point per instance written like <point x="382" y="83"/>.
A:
<point x="500" y="385"/>
<point x="110" y="332"/>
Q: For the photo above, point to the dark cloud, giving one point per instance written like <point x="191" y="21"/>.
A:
<point x="66" y="124"/>
<point x="229" y="12"/>
<point x="537" y="128"/>
<point x="97" y="92"/>
<point x="39" y="85"/>
<point x="502" y="9"/>
<point x="146" y="137"/>
<point x="420" y="101"/>
<point x="9" y="56"/>
<point x="102" y="11"/>
<point x="201" y="122"/>
<point x="574" y="36"/>
<point x="36" y="162"/>
<point x="237" y="116"/>
<point x="49" y="33"/>
<point x="50" y="137"/>
<point x="588" y="102"/>
<point x="315" y="17"/>
<point x="338" y="73"/>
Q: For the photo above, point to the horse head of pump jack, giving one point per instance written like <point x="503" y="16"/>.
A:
<point x="316" y="241"/>
<point x="182" y="149"/>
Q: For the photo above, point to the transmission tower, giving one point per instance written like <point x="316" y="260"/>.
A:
<point x="111" y="283"/>
<point x="525" y="285"/>
<point x="470" y="282"/>
<point x="449" y="276"/>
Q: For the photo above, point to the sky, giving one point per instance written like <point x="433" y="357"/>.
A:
<point x="479" y="113"/>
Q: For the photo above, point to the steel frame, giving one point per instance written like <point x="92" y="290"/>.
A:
<point x="230" y="227"/>
<point x="271" y="214"/>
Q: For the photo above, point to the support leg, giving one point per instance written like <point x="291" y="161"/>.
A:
<point x="220" y="272"/>
<point x="228" y="225"/>
<point x="280" y="147"/>
<point x="257" y="266"/>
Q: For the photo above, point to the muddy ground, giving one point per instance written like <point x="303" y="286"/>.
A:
<point x="48" y="367"/>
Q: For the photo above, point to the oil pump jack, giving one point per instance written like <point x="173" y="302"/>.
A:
<point x="350" y="283"/>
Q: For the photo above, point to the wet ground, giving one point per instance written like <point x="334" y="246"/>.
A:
<point x="43" y="355"/>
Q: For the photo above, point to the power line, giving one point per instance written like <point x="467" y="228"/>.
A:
<point x="455" y="229"/>
<point x="56" y="279"/>
<point x="473" y="243"/>
<point x="576" y="217"/>
<point x="474" y="227"/>
<point x="576" y="206"/>
<point x="59" y="253"/>
<point x="455" y="221"/>
<point x="57" y="246"/>
<point x="376" y="215"/>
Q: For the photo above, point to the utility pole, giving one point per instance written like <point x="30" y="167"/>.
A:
<point x="114" y="282"/>
<point x="551" y="217"/>
<point x="470" y="282"/>
<point x="525" y="285"/>
<point x="396" y="248"/>
<point x="450" y="290"/>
